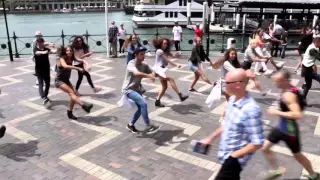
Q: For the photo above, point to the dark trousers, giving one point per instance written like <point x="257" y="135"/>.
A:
<point x="309" y="74"/>
<point x="44" y="78"/>
<point x="275" y="46"/>
<point x="230" y="170"/>
<point x="177" y="45"/>
<point x="80" y="77"/>
<point x="121" y="41"/>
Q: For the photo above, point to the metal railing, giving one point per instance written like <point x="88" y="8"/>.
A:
<point x="22" y="45"/>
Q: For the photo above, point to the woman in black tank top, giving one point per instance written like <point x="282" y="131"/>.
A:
<point x="64" y="67"/>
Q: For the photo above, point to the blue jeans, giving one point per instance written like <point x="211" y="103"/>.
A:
<point x="142" y="107"/>
<point x="283" y="51"/>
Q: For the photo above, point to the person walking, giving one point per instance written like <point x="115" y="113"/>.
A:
<point x="177" y="35"/>
<point x="292" y="104"/>
<point x="241" y="130"/>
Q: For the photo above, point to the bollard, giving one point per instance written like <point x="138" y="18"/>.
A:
<point x="15" y="45"/>
<point x="87" y="36"/>
<point x="222" y="46"/>
<point x="62" y="38"/>
<point x="231" y="43"/>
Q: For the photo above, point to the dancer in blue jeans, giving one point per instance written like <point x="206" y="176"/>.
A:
<point x="136" y="71"/>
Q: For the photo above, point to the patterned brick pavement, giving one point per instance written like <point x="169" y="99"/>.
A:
<point x="45" y="144"/>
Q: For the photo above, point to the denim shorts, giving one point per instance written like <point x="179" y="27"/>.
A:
<point x="193" y="67"/>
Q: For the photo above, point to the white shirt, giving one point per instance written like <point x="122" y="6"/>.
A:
<point x="122" y="33"/>
<point x="308" y="60"/>
<point x="78" y="54"/>
<point x="177" y="30"/>
<point x="278" y="29"/>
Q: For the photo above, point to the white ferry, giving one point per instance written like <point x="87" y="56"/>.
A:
<point x="165" y="13"/>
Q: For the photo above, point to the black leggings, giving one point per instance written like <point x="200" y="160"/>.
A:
<point x="121" y="41"/>
<point x="80" y="77"/>
<point x="309" y="74"/>
<point x="177" y="45"/>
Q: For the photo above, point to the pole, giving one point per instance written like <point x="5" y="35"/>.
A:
<point x="107" y="27"/>
<point x="7" y="29"/>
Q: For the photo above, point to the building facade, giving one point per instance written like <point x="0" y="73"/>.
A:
<point x="51" y="5"/>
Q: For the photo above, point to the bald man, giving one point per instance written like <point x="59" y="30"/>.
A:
<point x="242" y="130"/>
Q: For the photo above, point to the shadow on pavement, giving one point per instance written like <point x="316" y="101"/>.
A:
<point x="187" y="108"/>
<point x="16" y="151"/>
<point x="98" y="120"/>
<point x="170" y="136"/>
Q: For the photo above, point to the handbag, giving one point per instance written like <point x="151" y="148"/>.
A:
<point x="215" y="95"/>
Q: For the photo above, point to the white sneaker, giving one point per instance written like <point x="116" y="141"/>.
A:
<point x="268" y="73"/>
<point x="37" y="82"/>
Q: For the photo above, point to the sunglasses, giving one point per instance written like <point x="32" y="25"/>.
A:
<point x="232" y="82"/>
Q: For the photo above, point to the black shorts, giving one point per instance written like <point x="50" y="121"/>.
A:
<point x="230" y="170"/>
<point x="246" y="65"/>
<point x="292" y="142"/>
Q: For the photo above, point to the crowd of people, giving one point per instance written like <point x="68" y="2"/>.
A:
<point x="241" y="130"/>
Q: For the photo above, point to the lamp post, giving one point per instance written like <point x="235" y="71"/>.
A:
<point x="7" y="29"/>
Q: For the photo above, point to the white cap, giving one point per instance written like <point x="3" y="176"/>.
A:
<point x="38" y="33"/>
<point x="198" y="24"/>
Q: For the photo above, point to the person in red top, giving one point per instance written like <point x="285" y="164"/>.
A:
<point x="198" y="32"/>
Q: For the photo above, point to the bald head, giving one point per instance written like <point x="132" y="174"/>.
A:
<point x="237" y="75"/>
<point x="112" y="22"/>
<point x="236" y="81"/>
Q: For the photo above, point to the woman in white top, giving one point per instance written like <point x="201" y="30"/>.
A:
<point x="122" y="37"/>
<point x="162" y="60"/>
<point x="81" y="51"/>
<point x="229" y="63"/>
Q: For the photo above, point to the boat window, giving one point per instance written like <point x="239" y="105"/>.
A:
<point x="180" y="2"/>
<point x="166" y="14"/>
<point x="184" y="13"/>
<point x="175" y="14"/>
<point x="144" y="13"/>
<point x="171" y="14"/>
<point x="196" y="14"/>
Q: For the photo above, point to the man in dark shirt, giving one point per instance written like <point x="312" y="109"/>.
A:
<point x="42" y="69"/>
<point x="113" y="34"/>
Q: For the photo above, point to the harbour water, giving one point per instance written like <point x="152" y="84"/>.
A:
<point x="25" y="25"/>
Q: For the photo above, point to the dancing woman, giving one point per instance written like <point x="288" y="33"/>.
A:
<point x="132" y="44"/>
<point x="162" y="60"/>
<point x="62" y="80"/>
<point x="195" y="63"/>
<point x="81" y="51"/>
<point x="264" y="53"/>
<point x="230" y="63"/>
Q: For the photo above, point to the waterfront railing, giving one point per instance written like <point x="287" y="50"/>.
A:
<point x="22" y="45"/>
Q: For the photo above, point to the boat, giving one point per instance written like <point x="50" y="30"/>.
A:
<point x="148" y="14"/>
<point x="65" y="10"/>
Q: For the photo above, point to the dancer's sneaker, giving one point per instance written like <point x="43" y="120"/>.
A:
<point x="2" y="131"/>
<point x="150" y="129"/>
<point x="158" y="103"/>
<point x="87" y="107"/>
<point x="280" y="66"/>
<point x="132" y="129"/>
<point x="71" y="116"/>
<point x="192" y="90"/>
<point x="317" y="177"/>
<point x="96" y="90"/>
<point x="275" y="174"/>
<point x="183" y="97"/>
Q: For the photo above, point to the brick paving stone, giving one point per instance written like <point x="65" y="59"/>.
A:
<point x="130" y="156"/>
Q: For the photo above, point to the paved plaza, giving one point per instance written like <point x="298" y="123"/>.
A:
<point x="44" y="144"/>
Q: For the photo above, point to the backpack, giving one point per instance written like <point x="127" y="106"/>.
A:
<point x="301" y="99"/>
